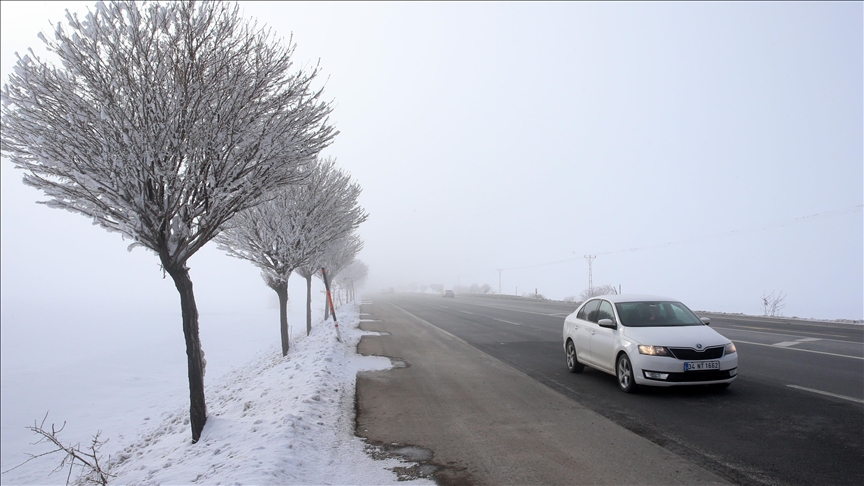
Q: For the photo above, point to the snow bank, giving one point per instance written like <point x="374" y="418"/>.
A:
<point x="275" y="421"/>
<point x="271" y="419"/>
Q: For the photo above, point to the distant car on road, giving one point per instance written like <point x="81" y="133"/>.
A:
<point x="648" y="340"/>
<point x="448" y="293"/>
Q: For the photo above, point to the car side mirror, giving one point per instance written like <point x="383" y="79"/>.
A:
<point x="705" y="320"/>
<point x="607" y="323"/>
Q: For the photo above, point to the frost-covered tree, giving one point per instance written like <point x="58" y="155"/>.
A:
<point x="341" y="254"/>
<point x="292" y="228"/>
<point x="607" y="289"/>
<point x="307" y="271"/>
<point x="334" y="257"/>
<point x="160" y="122"/>
<point x="354" y="275"/>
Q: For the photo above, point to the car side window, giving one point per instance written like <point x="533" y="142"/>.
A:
<point x="589" y="311"/>
<point x="605" y="311"/>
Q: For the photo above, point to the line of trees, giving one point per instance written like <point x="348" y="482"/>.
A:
<point x="304" y="227"/>
<point x="473" y="289"/>
<point x="171" y="123"/>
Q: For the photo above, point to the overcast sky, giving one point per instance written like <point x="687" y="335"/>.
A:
<point x="710" y="152"/>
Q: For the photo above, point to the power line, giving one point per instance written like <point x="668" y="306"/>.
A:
<point x="735" y="232"/>
<point x="749" y="229"/>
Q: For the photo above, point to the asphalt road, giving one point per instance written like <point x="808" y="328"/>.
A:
<point x="795" y="414"/>
<point x="466" y="418"/>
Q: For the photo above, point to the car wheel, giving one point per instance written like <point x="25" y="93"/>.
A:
<point x="624" y="370"/>
<point x="572" y="363"/>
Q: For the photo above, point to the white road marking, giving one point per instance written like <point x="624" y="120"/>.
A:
<point x="516" y="310"/>
<point x="798" y="349"/>
<point x="844" y="397"/>
<point x="493" y="318"/>
<point x="778" y="333"/>
<point x="793" y="343"/>
<point x="786" y="344"/>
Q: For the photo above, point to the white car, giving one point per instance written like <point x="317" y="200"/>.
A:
<point x="648" y="340"/>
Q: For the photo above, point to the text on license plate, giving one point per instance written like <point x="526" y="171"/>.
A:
<point x="701" y="365"/>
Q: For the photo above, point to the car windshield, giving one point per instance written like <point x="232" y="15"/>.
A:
<point x="656" y="314"/>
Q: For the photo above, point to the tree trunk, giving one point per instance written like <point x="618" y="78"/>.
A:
<point x="194" y="355"/>
<point x="308" y="304"/>
<point x="282" y="291"/>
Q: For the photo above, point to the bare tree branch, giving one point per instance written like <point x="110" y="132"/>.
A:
<point x="91" y="470"/>
<point x="596" y="291"/>
<point x="772" y="305"/>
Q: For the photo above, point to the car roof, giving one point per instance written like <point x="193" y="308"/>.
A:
<point x="615" y="298"/>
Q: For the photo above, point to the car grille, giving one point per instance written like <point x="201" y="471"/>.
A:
<point x="689" y="354"/>
<point x="714" y="375"/>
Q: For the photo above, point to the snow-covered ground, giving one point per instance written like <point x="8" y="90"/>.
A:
<point x="271" y="419"/>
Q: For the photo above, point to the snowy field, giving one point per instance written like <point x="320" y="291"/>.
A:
<point x="272" y="420"/>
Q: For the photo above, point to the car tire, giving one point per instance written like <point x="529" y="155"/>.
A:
<point x="624" y="372"/>
<point x="573" y="364"/>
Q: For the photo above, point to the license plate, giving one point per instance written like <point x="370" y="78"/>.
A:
<point x="701" y="365"/>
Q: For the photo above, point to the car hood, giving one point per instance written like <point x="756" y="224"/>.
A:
<point x="675" y="336"/>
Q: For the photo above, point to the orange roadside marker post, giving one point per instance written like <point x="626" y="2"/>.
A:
<point x="330" y="303"/>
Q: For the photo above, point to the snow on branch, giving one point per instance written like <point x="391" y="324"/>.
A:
<point x="354" y="273"/>
<point x="162" y="120"/>
<point x="334" y="257"/>
<point x="289" y="230"/>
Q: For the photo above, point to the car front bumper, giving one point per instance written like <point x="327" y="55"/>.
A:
<point x="667" y="371"/>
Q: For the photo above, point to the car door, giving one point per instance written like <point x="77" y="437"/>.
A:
<point x="602" y="342"/>
<point x="586" y="325"/>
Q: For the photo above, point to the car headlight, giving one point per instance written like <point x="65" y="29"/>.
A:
<point x="654" y="350"/>
<point x="730" y="349"/>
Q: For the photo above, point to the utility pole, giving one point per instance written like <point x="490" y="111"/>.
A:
<point x="499" y="280"/>
<point x="590" y="258"/>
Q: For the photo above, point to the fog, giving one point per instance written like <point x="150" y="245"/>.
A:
<point x="710" y="152"/>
